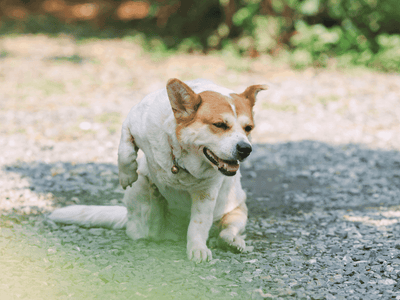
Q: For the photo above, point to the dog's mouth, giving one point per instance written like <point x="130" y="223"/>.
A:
<point x="226" y="167"/>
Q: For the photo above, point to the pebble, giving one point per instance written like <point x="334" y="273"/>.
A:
<point x="96" y="231"/>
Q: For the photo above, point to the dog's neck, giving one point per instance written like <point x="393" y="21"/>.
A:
<point x="176" y="151"/>
<point x="176" y="167"/>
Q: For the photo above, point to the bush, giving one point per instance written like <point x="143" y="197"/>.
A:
<point x="358" y="31"/>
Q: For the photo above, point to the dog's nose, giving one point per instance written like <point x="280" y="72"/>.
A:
<point x="243" y="149"/>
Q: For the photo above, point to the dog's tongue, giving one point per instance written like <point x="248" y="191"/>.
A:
<point x="228" y="166"/>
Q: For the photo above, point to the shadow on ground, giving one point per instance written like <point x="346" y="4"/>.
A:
<point x="309" y="175"/>
<point x="309" y="221"/>
<point x="280" y="179"/>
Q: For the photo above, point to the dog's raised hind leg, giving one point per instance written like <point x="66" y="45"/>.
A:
<point x="127" y="154"/>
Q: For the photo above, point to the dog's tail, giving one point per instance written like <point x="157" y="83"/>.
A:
<point x="114" y="217"/>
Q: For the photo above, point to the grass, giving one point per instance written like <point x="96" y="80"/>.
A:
<point x="77" y="263"/>
<point x="75" y="58"/>
<point x="47" y="86"/>
<point x="112" y="120"/>
<point x="324" y="100"/>
<point x="286" y="107"/>
<point x="3" y="54"/>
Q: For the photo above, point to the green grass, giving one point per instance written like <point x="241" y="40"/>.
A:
<point x="38" y="263"/>
<point x="286" y="107"/>
<point x="112" y="120"/>
<point x="76" y="59"/>
<point x="324" y="100"/>
<point x="47" y="86"/>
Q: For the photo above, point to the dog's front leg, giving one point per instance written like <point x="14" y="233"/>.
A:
<point x="127" y="154"/>
<point x="201" y="219"/>
<point x="232" y="226"/>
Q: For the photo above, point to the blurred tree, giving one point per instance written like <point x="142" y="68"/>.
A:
<point x="317" y="28"/>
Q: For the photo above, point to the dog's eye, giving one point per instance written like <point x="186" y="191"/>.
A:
<point x="248" y="128"/>
<point x="221" y="125"/>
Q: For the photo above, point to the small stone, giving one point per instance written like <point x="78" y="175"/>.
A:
<point x="51" y="251"/>
<point x="338" y="279"/>
<point x="312" y="261"/>
<point x="51" y="224"/>
<point x="96" y="231"/>
<point x="354" y="233"/>
<point x="372" y="256"/>
<point x="364" y="279"/>
<point x="347" y="258"/>
<point x="252" y="174"/>
<point x="330" y="297"/>
<point x="259" y="294"/>
<point x="387" y="281"/>
<point x="335" y="249"/>
<point x="71" y="228"/>
<point x="75" y="200"/>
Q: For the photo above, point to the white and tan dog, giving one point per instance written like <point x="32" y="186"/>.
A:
<point x="189" y="174"/>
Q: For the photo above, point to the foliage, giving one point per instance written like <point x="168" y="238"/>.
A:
<point x="312" y="31"/>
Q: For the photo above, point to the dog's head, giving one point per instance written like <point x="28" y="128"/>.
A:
<point x="217" y="126"/>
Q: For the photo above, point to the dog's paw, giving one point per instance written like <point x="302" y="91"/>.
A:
<point x="199" y="254"/>
<point x="127" y="179"/>
<point x="234" y="242"/>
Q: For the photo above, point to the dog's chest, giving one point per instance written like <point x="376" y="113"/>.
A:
<point x="179" y="202"/>
<point x="176" y="188"/>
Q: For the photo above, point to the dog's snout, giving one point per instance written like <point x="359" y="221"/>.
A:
<point x="243" y="149"/>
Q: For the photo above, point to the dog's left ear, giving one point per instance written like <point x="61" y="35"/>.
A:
<point x="184" y="101"/>
<point x="252" y="91"/>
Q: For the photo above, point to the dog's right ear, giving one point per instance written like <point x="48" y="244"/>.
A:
<point x="184" y="101"/>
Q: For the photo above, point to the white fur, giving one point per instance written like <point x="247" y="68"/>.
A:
<point x="114" y="217"/>
<point x="195" y="197"/>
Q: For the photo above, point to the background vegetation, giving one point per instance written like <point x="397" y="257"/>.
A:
<point x="303" y="32"/>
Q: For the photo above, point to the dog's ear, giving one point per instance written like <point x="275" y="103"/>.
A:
<point x="184" y="101"/>
<point x="252" y="91"/>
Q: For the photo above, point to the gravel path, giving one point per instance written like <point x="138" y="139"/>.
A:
<point x="323" y="181"/>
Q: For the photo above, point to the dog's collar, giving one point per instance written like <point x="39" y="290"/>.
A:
<point x="176" y="150"/>
<point x="176" y="167"/>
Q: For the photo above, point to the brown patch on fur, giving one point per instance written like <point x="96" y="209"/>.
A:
<point x="212" y="110"/>
<point x="252" y="91"/>
<point x="235" y="217"/>
<point x="243" y="107"/>
<point x="184" y="101"/>
<point x="244" y="103"/>
<point x="132" y="140"/>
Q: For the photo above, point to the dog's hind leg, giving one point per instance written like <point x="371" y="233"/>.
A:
<point x="232" y="226"/>
<point x="146" y="210"/>
<point x="127" y="154"/>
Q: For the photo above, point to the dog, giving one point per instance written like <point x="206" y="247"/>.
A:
<point x="193" y="136"/>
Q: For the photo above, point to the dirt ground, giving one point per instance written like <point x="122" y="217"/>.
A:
<point x="323" y="181"/>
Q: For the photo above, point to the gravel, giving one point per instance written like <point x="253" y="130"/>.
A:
<point x="323" y="181"/>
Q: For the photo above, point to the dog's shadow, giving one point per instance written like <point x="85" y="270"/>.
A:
<point x="69" y="183"/>
<point x="280" y="179"/>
